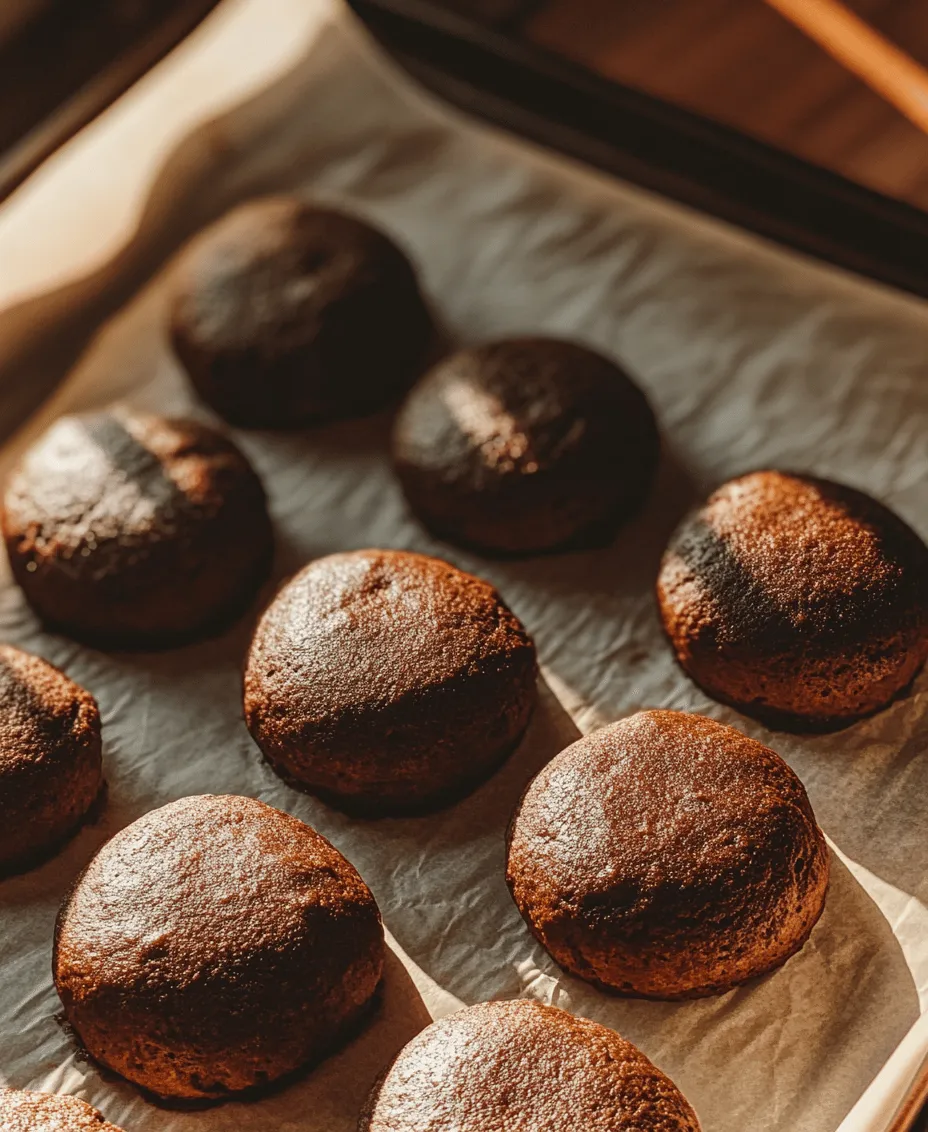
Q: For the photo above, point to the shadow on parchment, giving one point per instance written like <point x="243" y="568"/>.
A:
<point x="439" y="879"/>
<point x="628" y="565"/>
<point x="603" y="594"/>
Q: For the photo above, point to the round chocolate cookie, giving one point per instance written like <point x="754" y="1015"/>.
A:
<point x="525" y="446"/>
<point x="667" y="856"/>
<point x="286" y="315"/>
<point x="523" y="1067"/>
<point x="388" y="682"/>
<point x="800" y="602"/>
<point x="50" y="762"/>
<point x="25" y="1111"/>
<point x="134" y="531"/>
<point x="214" y="946"/>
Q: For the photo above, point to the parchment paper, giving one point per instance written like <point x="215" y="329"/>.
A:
<point x="751" y="357"/>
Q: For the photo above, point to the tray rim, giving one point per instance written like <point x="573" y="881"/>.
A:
<point x="146" y="45"/>
<point x="679" y="154"/>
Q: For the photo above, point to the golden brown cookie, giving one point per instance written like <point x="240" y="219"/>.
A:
<point x="134" y="531"/>
<point x="798" y="601"/>
<point x="50" y="760"/>
<point x="388" y="682"/>
<point x="215" y="946"/>
<point x="524" y="446"/>
<point x="523" y="1067"/>
<point x="285" y="315"/>
<point x="667" y="856"/>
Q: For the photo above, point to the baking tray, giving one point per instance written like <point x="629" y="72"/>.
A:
<point x="646" y="321"/>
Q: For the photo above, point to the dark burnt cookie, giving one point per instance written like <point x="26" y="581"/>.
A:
<point x="799" y="601"/>
<point x="22" y="1110"/>
<point x="128" y="530"/>
<point x="50" y="761"/>
<point x="287" y="315"/>
<point x="525" y="446"/>
<point x="215" y="946"/>
<point x="521" y="1065"/>
<point x="667" y="856"/>
<point x="388" y="682"/>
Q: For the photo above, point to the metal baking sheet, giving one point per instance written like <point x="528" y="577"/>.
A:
<point x="751" y="357"/>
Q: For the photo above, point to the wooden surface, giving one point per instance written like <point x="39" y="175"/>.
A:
<point x="741" y="63"/>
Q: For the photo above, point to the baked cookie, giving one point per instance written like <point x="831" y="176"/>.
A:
<point x="667" y="856"/>
<point x="24" y="1111"/>
<point x="524" y="446"/>
<point x="215" y="946"/>
<point x="388" y="682"/>
<point x="133" y="531"/>
<point x="798" y="601"/>
<point x="286" y="315"/>
<point x="50" y="761"/>
<point x="523" y="1067"/>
